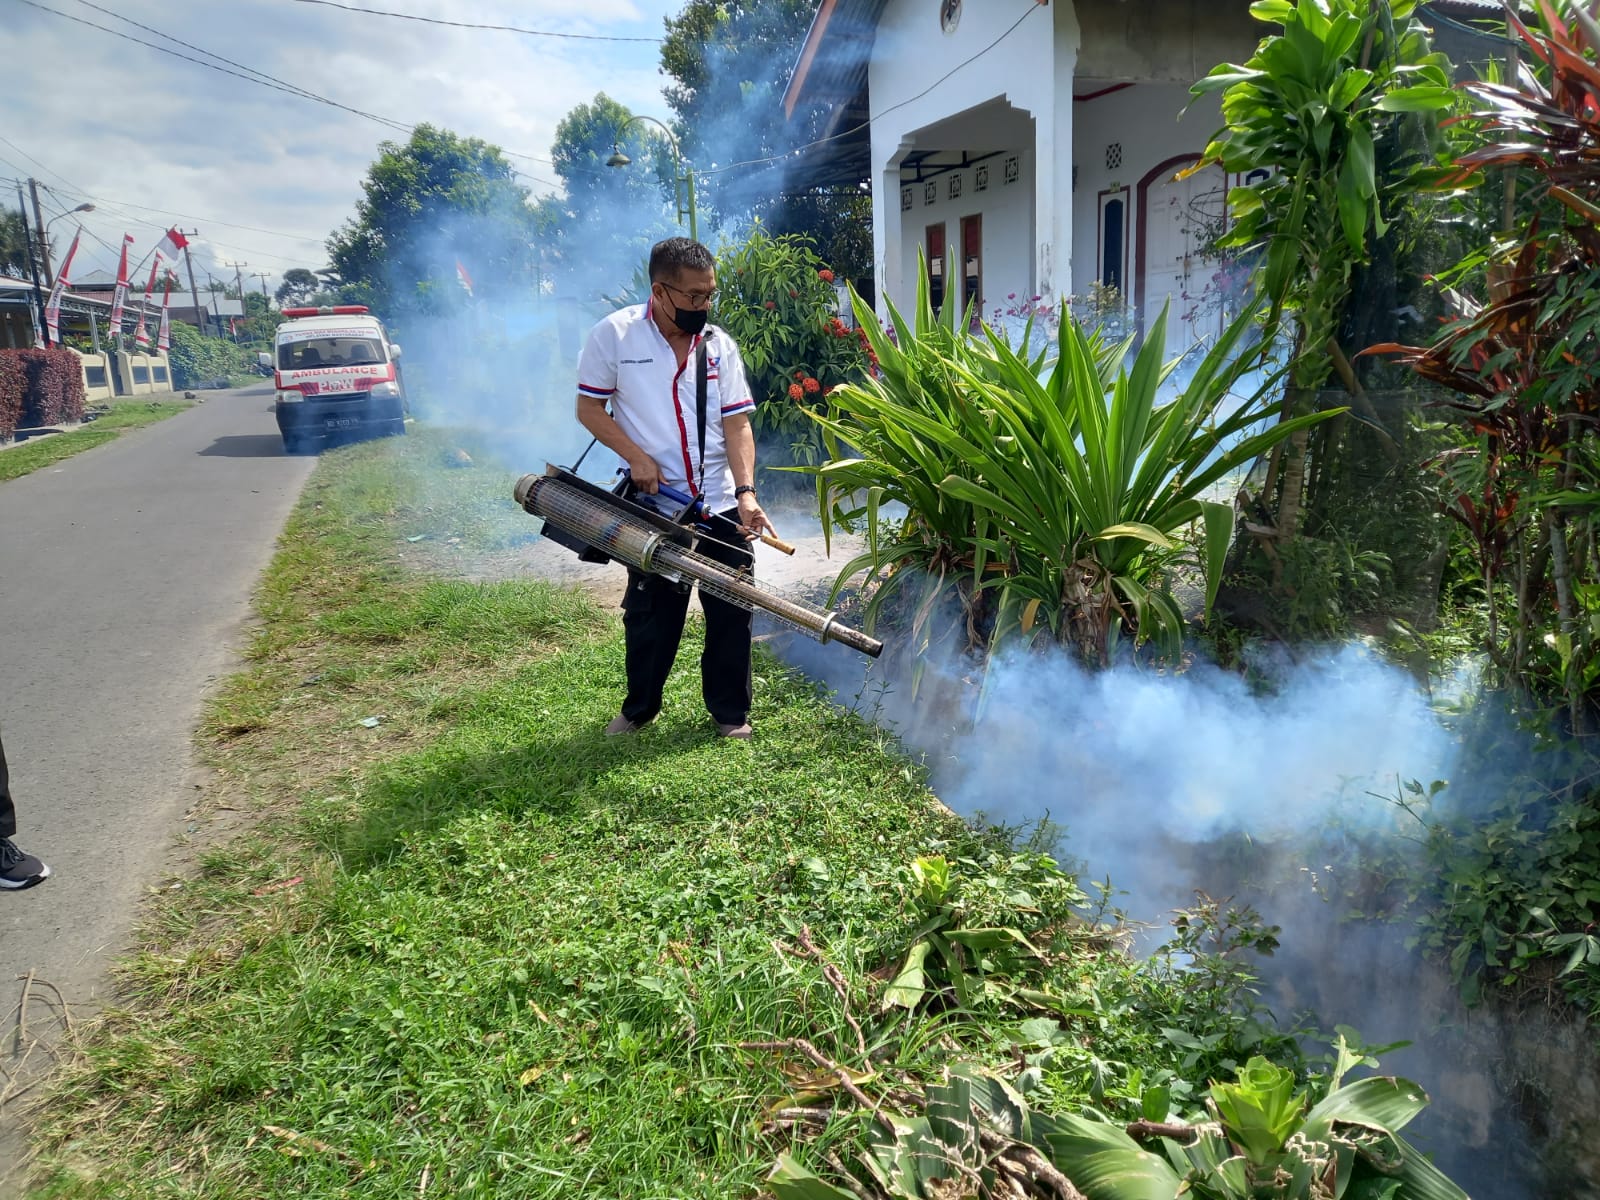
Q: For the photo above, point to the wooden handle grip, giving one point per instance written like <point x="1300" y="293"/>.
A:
<point x="777" y="544"/>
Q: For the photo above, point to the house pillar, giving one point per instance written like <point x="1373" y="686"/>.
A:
<point x="1054" y="153"/>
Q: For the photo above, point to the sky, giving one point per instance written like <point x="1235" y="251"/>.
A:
<point x="155" y="141"/>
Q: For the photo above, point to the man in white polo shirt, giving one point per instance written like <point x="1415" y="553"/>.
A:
<point x="645" y="363"/>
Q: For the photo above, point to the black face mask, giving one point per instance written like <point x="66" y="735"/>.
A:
<point x="690" y="320"/>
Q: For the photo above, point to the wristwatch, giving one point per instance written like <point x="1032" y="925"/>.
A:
<point x="742" y="489"/>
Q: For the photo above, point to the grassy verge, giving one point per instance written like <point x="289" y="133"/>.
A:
<point x="471" y="947"/>
<point x="126" y="414"/>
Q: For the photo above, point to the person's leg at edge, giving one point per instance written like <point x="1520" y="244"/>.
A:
<point x="725" y="682"/>
<point x="17" y="869"/>
<point x="8" y="811"/>
<point x="653" y="612"/>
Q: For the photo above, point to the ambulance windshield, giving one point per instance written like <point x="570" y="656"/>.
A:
<point x="309" y="353"/>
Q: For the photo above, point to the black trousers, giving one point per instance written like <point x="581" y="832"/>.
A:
<point x="8" y="812"/>
<point x="653" y="613"/>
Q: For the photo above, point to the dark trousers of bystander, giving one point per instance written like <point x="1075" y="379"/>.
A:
<point x="653" y="613"/>
<point x="8" y="811"/>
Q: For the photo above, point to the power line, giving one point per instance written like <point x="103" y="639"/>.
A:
<point x="269" y="79"/>
<point x="544" y="33"/>
<point x="255" y="77"/>
<point x="290" y="89"/>
<point x="296" y="237"/>
<point x="114" y="209"/>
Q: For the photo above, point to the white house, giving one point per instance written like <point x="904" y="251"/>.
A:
<point x="1030" y="147"/>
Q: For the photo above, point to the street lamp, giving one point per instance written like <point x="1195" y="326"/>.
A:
<point x="685" y="199"/>
<point x="49" y="271"/>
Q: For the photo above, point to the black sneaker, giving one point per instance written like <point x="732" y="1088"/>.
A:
<point x="19" y="870"/>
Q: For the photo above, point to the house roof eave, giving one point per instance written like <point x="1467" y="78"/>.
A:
<point x="833" y="61"/>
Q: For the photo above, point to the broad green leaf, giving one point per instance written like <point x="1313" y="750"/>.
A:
<point x="1136" y="529"/>
<point x="911" y="984"/>
<point x="991" y="939"/>
<point x="1417" y="99"/>
<point x="791" y="1181"/>
<point x="1381" y="1101"/>
<point x="1217" y="520"/>
<point x="1104" y="1162"/>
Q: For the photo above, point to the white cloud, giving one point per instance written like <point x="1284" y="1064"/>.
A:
<point x="92" y="114"/>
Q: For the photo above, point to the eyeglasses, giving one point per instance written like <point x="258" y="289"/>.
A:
<point x="696" y="299"/>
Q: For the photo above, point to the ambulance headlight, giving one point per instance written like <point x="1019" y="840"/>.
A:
<point x="291" y="396"/>
<point x="386" y="388"/>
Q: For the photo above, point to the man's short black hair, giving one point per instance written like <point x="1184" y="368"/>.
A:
<point x="675" y="255"/>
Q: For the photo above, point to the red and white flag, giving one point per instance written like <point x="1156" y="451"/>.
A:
<point x="141" y="335"/>
<point x="52" y="308"/>
<point x="164" y="336"/>
<point x="120" y="296"/>
<point x="172" y="244"/>
<point x="463" y="278"/>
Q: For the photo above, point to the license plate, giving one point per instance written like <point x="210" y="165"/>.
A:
<point x="341" y="422"/>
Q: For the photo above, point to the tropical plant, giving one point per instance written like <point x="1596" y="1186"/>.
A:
<point x="948" y="951"/>
<point x="1048" y="497"/>
<point x="777" y="299"/>
<point x="1264" y="1139"/>
<point x="1521" y="367"/>
<point x="1317" y="116"/>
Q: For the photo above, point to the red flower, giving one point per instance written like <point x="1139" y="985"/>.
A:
<point x="793" y="294"/>
<point x="794" y="391"/>
<point x="825" y="275"/>
<point x="812" y="385"/>
<point x="769" y="305"/>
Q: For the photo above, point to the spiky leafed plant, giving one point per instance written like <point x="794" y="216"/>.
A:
<point x="1522" y="367"/>
<point x="1047" y="496"/>
<point x="1313" y="115"/>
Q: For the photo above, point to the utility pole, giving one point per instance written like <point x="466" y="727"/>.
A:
<point x="33" y="264"/>
<point x="238" y="279"/>
<point x="263" y="276"/>
<point x="44" y="242"/>
<point x="194" y="293"/>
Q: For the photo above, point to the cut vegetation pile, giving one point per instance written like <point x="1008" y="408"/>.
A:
<point x="471" y="947"/>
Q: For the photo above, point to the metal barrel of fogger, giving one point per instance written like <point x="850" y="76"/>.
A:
<point x="637" y="544"/>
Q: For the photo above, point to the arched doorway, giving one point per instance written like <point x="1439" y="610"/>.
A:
<point x="1178" y="219"/>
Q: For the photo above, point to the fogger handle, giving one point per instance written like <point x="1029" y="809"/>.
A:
<point x="766" y="539"/>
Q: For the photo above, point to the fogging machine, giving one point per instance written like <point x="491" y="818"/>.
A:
<point x="600" y="525"/>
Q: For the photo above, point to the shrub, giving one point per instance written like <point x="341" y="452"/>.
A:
<point x="196" y="359"/>
<point x="11" y="387"/>
<point x="776" y="298"/>
<point x="39" y="387"/>
<point x="1050" y="497"/>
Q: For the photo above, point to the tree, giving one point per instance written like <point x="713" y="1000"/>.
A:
<point x="13" y="243"/>
<point x="731" y="60"/>
<point x="611" y="215"/>
<point x="438" y="200"/>
<point x="298" y="286"/>
<point x="1318" y="115"/>
<point x="1520" y="365"/>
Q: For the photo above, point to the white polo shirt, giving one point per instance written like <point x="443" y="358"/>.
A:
<point x="628" y="363"/>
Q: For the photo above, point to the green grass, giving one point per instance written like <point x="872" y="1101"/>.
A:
<point x="518" y="957"/>
<point x="125" y="414"/>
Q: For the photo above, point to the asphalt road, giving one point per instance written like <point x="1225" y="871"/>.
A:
<point x="125" y="582"/>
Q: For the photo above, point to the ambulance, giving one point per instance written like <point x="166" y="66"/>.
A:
<point x="336" y="377"/>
